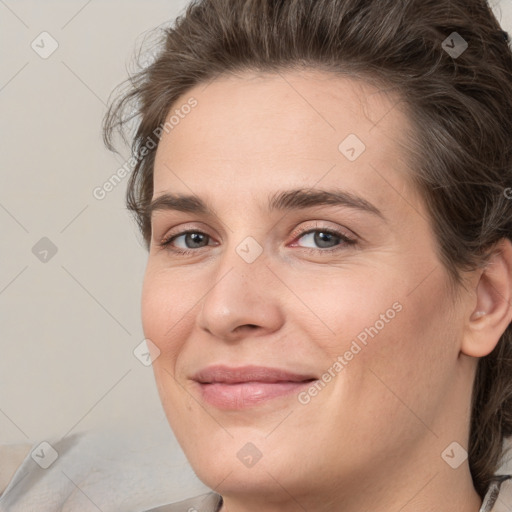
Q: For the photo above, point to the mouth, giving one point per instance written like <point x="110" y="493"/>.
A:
<point x="248" y="386"/>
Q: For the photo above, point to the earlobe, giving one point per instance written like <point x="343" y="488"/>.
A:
<point x="492" y="312"/>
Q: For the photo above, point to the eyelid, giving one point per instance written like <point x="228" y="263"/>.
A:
<point x="319" y="226"/>
<point x="181" y="229"/>
<point x="165" y="242"/>
<point x="323" y="226"/>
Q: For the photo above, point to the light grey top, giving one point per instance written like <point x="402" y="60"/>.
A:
<point x="118" y="469"/>
<point x="94" y="472"/>
<point x="209" y="502"/>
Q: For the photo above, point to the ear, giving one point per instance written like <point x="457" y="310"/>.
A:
<point x="488" y="320"/>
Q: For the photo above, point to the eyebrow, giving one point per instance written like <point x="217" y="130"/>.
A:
<point x="287" y="200"/>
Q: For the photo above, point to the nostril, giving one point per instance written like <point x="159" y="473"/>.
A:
<point x="246" y="327"/>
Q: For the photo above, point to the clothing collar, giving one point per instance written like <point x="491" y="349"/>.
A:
<point x="498" y="497"/>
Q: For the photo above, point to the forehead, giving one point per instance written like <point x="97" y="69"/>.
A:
<point x="264" y="130"/>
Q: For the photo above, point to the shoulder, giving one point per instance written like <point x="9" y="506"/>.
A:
<point x="498" y="497"/>
<point x="138" y="469"/>
<point x="209" y="502"/>
<point x="11" y="455"/>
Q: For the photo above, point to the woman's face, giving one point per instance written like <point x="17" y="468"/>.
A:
<point x="346" y="290"/>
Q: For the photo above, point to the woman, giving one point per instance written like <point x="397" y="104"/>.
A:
<point x="324" y="189"/>
<point x="329" y="281"/>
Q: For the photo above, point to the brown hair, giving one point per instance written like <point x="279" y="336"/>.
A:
<point x="460" y="105"/>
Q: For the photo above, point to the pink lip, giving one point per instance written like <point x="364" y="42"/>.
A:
<point x="237" y="388"/>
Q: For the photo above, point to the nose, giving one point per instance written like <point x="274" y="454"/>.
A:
<point x="242" y="298"/>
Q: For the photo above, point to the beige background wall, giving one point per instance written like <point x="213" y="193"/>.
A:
<point x="69" y="324"/>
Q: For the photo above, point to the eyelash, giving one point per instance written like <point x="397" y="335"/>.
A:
<point x="166" y="242"/>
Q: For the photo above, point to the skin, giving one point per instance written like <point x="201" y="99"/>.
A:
<point x="372" y="438"/>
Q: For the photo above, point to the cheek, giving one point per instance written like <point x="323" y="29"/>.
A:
<point x="345" y="306"/>
<point x="164" y="311"/>
<point x="164" y="319"/>
<point x="388" y="335"/>
<point x="416" y="351"/>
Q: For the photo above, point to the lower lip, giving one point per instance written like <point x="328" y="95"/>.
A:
<point x="247" y="394"/>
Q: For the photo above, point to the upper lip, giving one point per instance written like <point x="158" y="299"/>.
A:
<point x="250" y="373"/>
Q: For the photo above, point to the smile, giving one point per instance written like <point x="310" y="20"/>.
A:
<point x="248" y="386"/>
